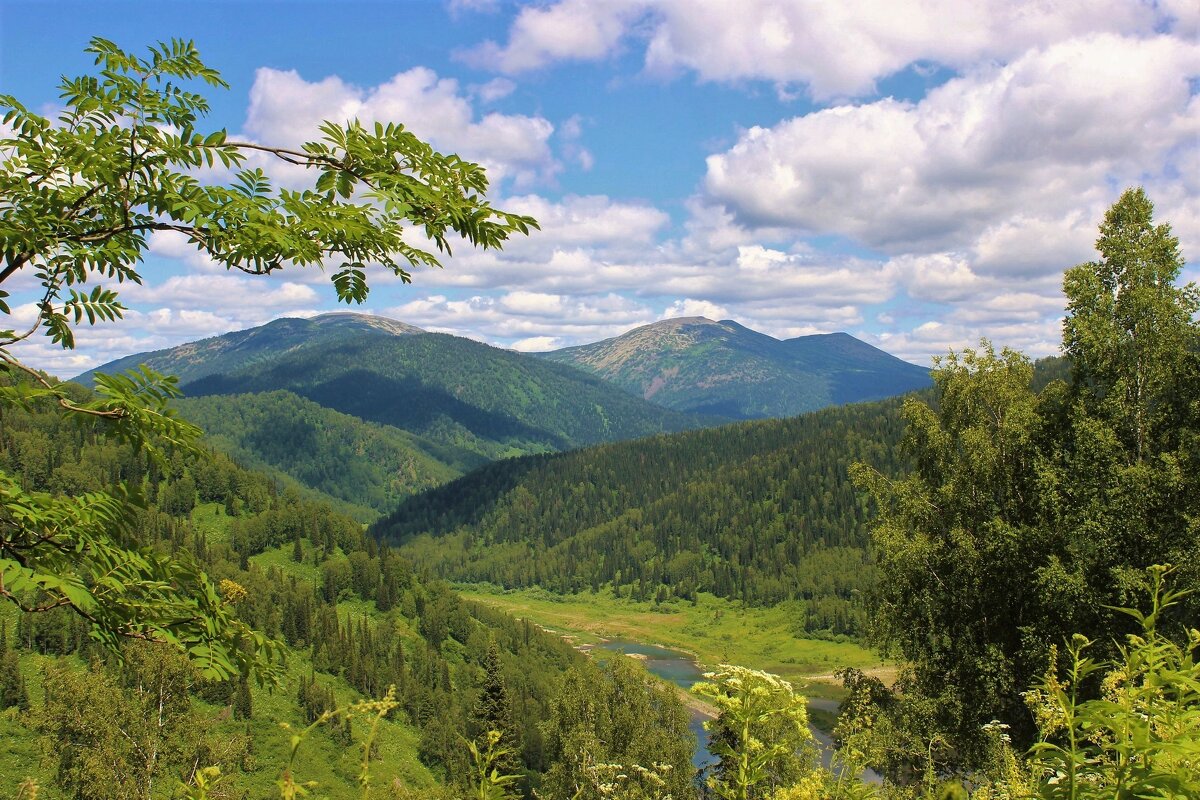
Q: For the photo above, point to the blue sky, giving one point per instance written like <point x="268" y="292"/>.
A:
<point x="915" y="173"/>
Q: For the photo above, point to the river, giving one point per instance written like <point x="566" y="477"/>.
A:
<point x="682" y="670"/>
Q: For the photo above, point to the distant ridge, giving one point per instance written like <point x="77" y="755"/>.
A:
<point x="368" y="410"/>
<point x="229" y="351"/>
<point x="694" y="364"/>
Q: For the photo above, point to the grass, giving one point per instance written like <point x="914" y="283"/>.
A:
<point x="210" y="520"/>
<point x="281" y="558"/>
<point x="715" y="631"/>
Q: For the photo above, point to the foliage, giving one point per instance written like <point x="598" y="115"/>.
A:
<point x="80" y="195"/>
<point x="1141" y="736"/>
<point x="351" y="643"/>
<point x="954" y="539"/>
<point x="13" y="693"/>
<point x="625" y="782"/>
<point x="1028" y="517"/>
<point x="487" y="756"/>
<point x="761" y="734"/>
<point x="614" y="714"/>
<point x="135" y="729"/>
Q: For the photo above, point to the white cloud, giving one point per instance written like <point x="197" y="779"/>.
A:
<point x="1025" y="247"/>
<point x="287" y="109"/>
<point x="935" y="337"/>
<point x="1002" y="152"/>
<point x="576" y="30"/>
<point x="533" y="303"/>
<point x="530" y="317"/>
<point x="586" y="220"/>
<point x="835" y="49"/>
<point x="229" y="293"/>
<point x="841" y="49"/>
<point x="537" y="344"/>
<point x="939" y="277"/>
<point x="495" y="89"/>
<point x="695" y="308"/>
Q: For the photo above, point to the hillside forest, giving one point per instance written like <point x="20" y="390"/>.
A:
<point x="235" y="617"/>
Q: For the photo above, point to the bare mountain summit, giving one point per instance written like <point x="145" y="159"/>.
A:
<point x="241" y="349"/>
<point x="695" y="364"/>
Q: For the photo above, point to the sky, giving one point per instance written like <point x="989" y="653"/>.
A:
<point x="917" y="173"/>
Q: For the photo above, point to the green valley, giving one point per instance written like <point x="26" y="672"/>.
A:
<point x="339" y="556"/>
<point x="761" y="512"/>
<point x="713" y="629"/>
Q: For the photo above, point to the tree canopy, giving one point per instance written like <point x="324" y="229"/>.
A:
<point x="79" y="197"/>
<point x="1032" y="516"/>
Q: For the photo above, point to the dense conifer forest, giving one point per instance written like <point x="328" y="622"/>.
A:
<point x="355" y="616"/>
<point x="759" y="512"/>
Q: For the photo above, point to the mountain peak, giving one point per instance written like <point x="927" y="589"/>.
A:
<point x="355" y="319"/>
<point x="724" y="368"/>
<point x="677" y="322"/>
<point x="237" y="349"/>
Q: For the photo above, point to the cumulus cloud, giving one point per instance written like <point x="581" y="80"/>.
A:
<point x="230" y="293"/>
<point x="833" y="49"/>
<point x="1051" y="131"/>
<point x="587" y="220"/>
<point x="537" y="344"/>
<point x="576" y="30"/>
<point x="529" y="317"/>
<point x="286" y="108"/>
<point x="935" y="337"/>
<point x="495" y="89"/>
<point x="694" y="308"/>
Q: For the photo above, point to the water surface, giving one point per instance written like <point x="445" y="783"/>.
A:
<point x="682" y="670"/>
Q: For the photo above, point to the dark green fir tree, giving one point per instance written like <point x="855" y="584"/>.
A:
<point x="12" y="684"/>
<point x="493" y="711"/>
<point x="243" y="706"/>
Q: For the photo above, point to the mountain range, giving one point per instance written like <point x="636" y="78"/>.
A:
<point x="696" y="365"/>
<point x="368" y="410"/>
<point x="432" y="406"/>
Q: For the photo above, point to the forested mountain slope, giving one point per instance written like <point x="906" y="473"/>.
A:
<point x="368" y="467"/>
<point x="485" y="400"/>
<point x="440" y="405"/>
<point x="697" y="365"/>
<point x="761" y="510"/>
<point x="355" y="617"/>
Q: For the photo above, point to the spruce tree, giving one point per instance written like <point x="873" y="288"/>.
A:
<point x="243" y="707"/>
<point x="493" y="711"/>
<point x="12" y="683"/>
